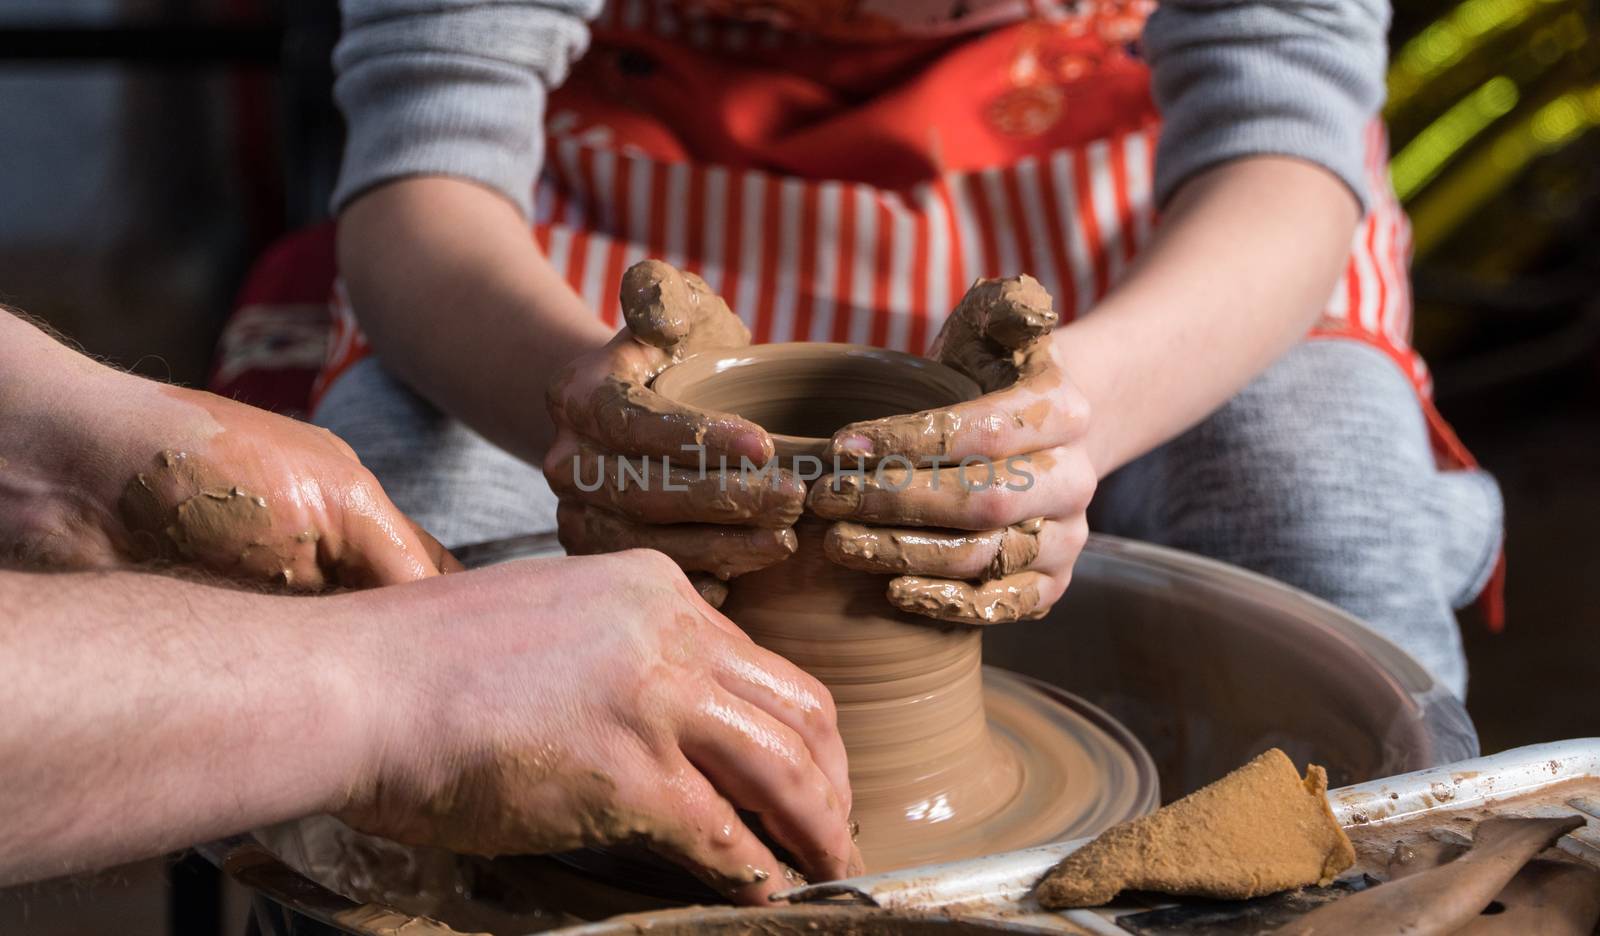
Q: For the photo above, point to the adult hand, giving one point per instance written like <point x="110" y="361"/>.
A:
<point x="99" y="468"/>
<point x="986" y="524"/>
<point x="264" y="498"/>
<point x="564" y="703"/>
<point x="609" y="465"/>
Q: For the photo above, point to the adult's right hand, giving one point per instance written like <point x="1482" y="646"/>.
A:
<point x="612" y="430"/>
<point x="548" y="705"/>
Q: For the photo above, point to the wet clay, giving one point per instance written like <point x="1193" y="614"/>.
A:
<point x="633" y="487"/>
<point x="945" y="558"/>
<point x="670" y="316"/>
<point x="1443" y="899"/>
<point x="1260" y="829"/>
<point x="559" y="806"/>
<point x="953" y="553"/>
<point x="664" y="307"/>
<point x="804" y="392"/>
<point x="999" y="602"/>
<point x="993" y="334"/>
<point x="932" y="777"/>
<point x="994" y="337"/>
<point x="717" y="549"/>
<point x="180" y="511"/>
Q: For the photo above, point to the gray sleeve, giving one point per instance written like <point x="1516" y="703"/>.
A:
<point x="1234" y="78"/>
<point x="452" y="87"/>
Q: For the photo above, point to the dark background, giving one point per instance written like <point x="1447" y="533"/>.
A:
<point x="151" y="148"/>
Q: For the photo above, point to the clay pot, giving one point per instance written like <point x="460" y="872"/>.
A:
<point x="937" y="774"/>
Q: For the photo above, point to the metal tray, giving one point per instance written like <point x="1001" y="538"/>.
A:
<point x="1542" y="779"/>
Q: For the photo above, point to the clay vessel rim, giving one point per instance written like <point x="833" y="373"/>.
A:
<point x="695" y="368"/>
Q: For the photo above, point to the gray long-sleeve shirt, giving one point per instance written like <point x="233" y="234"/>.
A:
<point x="458" y="87"/>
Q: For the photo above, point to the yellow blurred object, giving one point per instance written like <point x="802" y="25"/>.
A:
<point x="1450" y="39"/>
<point x="1487" y="171"/>
<point x="1475" y="98"/>
<point x="1422" y="158"/>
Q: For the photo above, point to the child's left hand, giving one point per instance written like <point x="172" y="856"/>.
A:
<point x="988" y="525"/>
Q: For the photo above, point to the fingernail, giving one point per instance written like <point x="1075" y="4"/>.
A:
<point x="754" y="446"/>
<point x="854" y="444"/>
<point x="835" y="498"/>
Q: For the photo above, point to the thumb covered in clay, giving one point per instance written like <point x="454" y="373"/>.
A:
<point x="605" y="397"/>
<point x="997" y="336"/>
<point x="993" y="336"/>
<point x="676" y="311"/>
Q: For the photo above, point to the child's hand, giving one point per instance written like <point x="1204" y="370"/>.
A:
<point x="605" y="415"/>
<point x="992" y="535"/>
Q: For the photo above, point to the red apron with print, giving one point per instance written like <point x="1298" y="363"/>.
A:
<point x="850" y="191"/>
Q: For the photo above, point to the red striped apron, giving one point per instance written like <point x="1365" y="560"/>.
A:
<point x="836" y="190"/>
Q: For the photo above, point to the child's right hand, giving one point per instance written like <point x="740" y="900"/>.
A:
<point x="605" y="414"/>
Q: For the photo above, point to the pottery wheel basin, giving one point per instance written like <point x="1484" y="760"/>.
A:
<point x="1205" y="663"/>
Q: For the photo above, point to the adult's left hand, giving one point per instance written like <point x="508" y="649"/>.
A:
<point x="100" y="469"/>
<point x="985" y="525"/>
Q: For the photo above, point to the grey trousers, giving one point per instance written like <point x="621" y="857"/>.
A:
<point x="1318" y="474"/>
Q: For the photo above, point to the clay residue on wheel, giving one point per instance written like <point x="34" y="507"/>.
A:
<point x="1260" y="829"/>
<point x="808" y="921"/>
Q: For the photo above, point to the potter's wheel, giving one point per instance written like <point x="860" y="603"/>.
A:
<point x="1081" y="772"/>
<point x="1207" y="663"/>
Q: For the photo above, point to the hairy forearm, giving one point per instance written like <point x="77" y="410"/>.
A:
<point x="42" y="388"/>
<point x="145" y="713"/>
<point x="1244" y="258"/>
<point x="64" y="420"/>
<point x="460" y="303"/>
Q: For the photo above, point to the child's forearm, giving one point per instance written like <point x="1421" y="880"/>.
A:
<point x="1245" y="256"/>
<point x="458" y="300"/>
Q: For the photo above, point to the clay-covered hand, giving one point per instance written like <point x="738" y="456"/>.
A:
<point x="187" y="478"/>
<point x="564" y="703"/>
<point x="977" y="509"/>
<point x="608" y="464"/>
